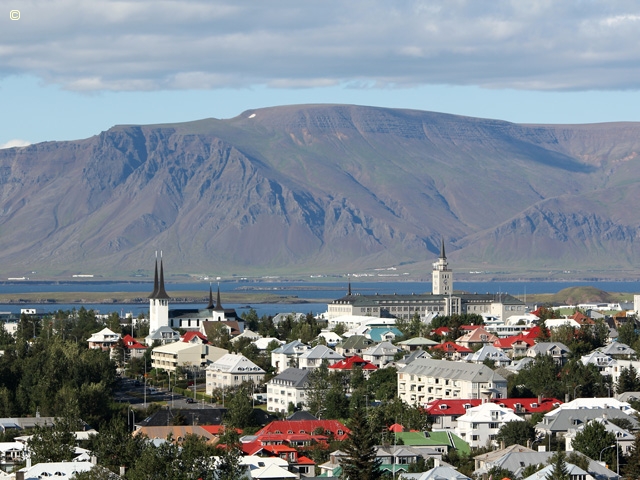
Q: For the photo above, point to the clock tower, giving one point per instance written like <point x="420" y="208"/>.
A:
<point x="442" y="275"/>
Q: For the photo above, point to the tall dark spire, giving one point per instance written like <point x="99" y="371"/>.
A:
<point x="161" y="293"/>
<point x="210" y="306"/>
<point x="349" y="291"/>
<point x="155" y="282"/>
<point x="442" y="255"/>
<point x="218" y="302"/>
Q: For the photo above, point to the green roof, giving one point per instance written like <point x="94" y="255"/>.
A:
<point x="433" y="440"/>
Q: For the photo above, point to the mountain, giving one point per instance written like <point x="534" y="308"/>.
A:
<point x="325" y="188"/>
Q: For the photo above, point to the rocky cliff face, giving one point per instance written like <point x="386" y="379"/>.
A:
<point x="323" y="188"/>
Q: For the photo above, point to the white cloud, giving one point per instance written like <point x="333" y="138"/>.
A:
<point x="205" y="44"/>
<point x="15" y="143"/>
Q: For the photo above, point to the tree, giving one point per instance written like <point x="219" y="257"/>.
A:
<point x="240" y="408"/>
<point x="627" y="333"/>
<point x="361" y="462"/>
<point x="516" y="432"/>
<point x="593" y="439"/>
<point x="229" y="466"/>
<point x="560" y="470"/>
<point x="632" y="468"/>
<point x="628" y="380"/>
<point x="54" y="444"/>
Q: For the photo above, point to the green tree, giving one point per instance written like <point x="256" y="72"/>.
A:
<point x="632" y="468"/>
<point x="240" y="408"/>
<point x="539" y="377"/>
<point x="515" y="432"/>
<point x="627" y="333"/>
<point x="54" y="444"/>
<point x="361" y="462"/>
<point x="560" y="470"/>
<point x="229" y="467"/>
<point x="628" y="380"/>
<point x="593" y="439"/>
<point x="319" y="384"/>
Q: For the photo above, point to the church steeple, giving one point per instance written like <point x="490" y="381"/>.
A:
<point x="162" y="293"/>
<point x="155" y="281"/>
<point x="442" y="276"/>
<point x="349" y="291"/>
<point x="442" y="254"/>
<point x="218" y="302"/>
<point x="210" y="306"/>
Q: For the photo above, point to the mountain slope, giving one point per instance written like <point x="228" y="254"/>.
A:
<point x="326" y="188"/>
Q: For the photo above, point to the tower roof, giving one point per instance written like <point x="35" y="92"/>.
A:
<point x="218" y="302"/>
<point x="210" y="306"/>
<point x="442" y="254"/>
<point x="158" y="284"/>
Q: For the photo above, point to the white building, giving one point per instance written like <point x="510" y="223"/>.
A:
<point x="103" y="340"/>
<point x="480" y="425"/>
<point x="313" y="358"/>
<point x="158" y="301"/>
<point x="381" y="354"/>
<point x="231" y="370"/>
<point x="424" y="380"/>
<point x="288" y="387"/>
<point x="288" y="355"/>
<point x="184" y="354"/>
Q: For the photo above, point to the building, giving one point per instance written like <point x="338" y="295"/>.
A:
<point x="288" y="355"/>
<point x="231" y="370"/>
<point x="183" y="354"/>
<point x="480" y="425"/>
<point x="320" y="353"/>
<point x="104" y="340"/>
<point x="443" y="300"/>
<point x="288" y="387"/>
<point x="381" y="354"/>
<point x="425" y="380"/>
<point x="158" y="301"/>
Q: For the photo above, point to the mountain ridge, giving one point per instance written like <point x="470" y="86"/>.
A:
<point x="324" y="189"/>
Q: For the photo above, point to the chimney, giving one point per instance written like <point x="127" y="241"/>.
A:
<point x="94" y="460"/>
<point x="436" y="462"/>
<point x="122" y="470"/>
<point x="539" y="399"/>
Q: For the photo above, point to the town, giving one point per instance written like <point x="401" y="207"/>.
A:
<point x="441" y="385"/>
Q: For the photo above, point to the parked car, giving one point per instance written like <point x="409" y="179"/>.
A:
<point x="190" y="400"/>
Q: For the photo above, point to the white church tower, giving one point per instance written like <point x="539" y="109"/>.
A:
<point x="158" y="301"/>
<point x="442" y="276"/>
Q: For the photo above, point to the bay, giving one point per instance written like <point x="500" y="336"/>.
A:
<point x="313" y="295"/>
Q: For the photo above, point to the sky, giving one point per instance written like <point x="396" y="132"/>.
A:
<point x="70" y="69"/>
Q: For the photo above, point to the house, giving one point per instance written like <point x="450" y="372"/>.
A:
<point x="252" y="336"/>
<point x="381" y="354"/>
<point x="624" y="438"/>
<point x="54" y="470"/>
<point x="313" y="358"/>
<point x="480" y="425"/>
<point x="439" y="441"/>
<point x="424" y="380"/>
<point x="489" y="353"/>
<point x="163" y="335"/>
<point x="417" y="343"/>
<point x="396" y="459"/>
<point x="451" y="350"/>
<point x="515" y="346"/>
<point x="575" y="473"/>
<point x="445" y="413"/>
<point x="231" y="370"/>
<point x="436" y="473"/>
<point x="556" y="350"/>
<point x="478" y="337"/>
<point x="288" y="387"/>
<point x="332" y="428"/>
<point x="353" y="345"/>
<point x="288" y="355"/>
<point x="271" y="468"/>
<point x="188" y="355"/>
<point x="330" y="338"/>
<point x="355" y="361"/>
<point x="382" y="334"/>
<point x="561" y="420"/>
<point x="103" y="340"/>
<point x="194" y="336"/>
<point x="619" y="350"/>
<point x="133" y="348"/>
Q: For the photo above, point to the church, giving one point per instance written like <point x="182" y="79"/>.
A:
<point x="162" y="319"/>
<point x="442" y="300"/>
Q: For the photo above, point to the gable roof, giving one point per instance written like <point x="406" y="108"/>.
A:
<point x="453" y="370"/>
<point x="352" y="362"/>
<point x="292" y="377"/>
<point x="131" y="343"/>
<point x="305" y="426"/>
<point x="451" y="347"/>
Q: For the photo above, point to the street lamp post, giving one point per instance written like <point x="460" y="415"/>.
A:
<point x="574" y="391"/>
<point x="605" y="448"/>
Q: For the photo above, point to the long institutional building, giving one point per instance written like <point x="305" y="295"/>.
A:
<point x="442" y="301"/>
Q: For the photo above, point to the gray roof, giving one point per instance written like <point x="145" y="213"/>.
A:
<point x="562" y="420"/>
<point x="355" y="342"/>
<point x="289" y="348"/>
<point x="321" y="352"/>
<point x="617" y="348"/>
<point x="544" y="347"/>
<point x="437" y="473"/>
<point x="377" y="300"/>
<point x="473" y="372"/>
<point x="291" y="377"/>
<point x="516" y="462"/>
